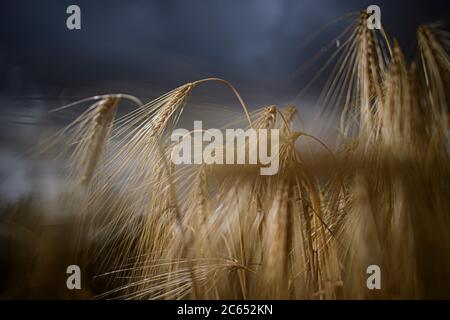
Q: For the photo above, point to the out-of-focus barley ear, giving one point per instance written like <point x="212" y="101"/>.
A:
<point x="288" y="113"/>
<point x="100" y="128"/>
<point x="265" y="119"/>
<point x="277" y="243"/>
<point x="436" y="68"/>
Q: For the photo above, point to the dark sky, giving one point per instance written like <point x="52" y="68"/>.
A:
<point x="154" y="45"/>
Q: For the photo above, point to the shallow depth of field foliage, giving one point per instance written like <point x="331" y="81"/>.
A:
<point x="147" y="229"/>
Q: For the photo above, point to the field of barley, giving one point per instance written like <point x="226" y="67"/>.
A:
<point x="141" y="227"/>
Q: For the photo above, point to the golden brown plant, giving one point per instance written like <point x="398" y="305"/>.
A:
<point x="310" y="231"/>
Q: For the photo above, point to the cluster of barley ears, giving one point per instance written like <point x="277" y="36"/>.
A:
<point x="380" y="197"/>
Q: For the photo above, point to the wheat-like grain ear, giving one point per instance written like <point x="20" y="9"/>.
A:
<point x="288" y="114"/>
<point x="436" y="68"/>
<point x="98" y="135"/>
